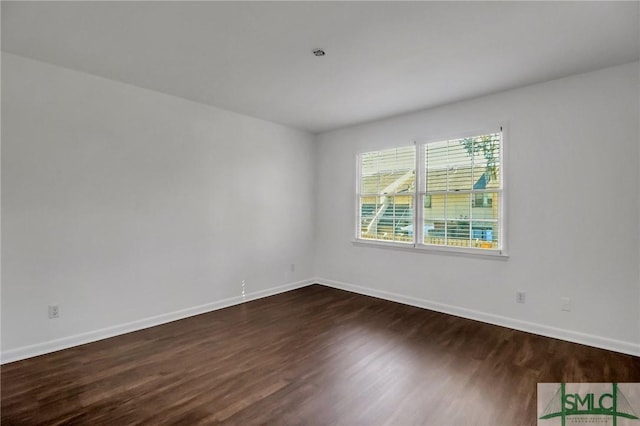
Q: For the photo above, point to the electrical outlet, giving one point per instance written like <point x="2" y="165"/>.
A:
<point x="292" y="267"/>
<point x="244" y="284"/>
<point x="565" y="304"/>
<point x="54" y="311"/>
<point x="521" y="296"/>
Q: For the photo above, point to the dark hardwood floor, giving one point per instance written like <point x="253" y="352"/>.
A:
<point x="312" y="356"/>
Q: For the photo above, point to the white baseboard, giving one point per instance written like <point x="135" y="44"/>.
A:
<point x="104" y="333"/>
<point x="529" y="327"/>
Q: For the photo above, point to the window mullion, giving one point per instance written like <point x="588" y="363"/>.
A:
<point x="446" y="197"/>
<point x="472" y="196"/>
<point x="418" y="202"/>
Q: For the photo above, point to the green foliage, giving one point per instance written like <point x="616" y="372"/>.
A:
<point x="489" y="147"/>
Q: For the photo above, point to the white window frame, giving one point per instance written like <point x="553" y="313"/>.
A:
<point x="420" y="192"/>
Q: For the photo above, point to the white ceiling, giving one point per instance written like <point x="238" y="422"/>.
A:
<point x="383" y="58"/>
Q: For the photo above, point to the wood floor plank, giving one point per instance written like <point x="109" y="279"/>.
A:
<point x="315" y="356"/>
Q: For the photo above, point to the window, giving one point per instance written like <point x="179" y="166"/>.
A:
<point x="453" y="188"/>
<point x="482" y="200"/>
<point x="386" y="194"/>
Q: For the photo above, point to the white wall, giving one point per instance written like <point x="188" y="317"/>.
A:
<point x="128" y="208"/>
<point x="573" y="223"/>
<point x="122" y="204"/>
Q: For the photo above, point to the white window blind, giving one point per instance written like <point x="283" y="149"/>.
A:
<point x="463" y="189"/>
<point x="386" y="194"/>
<point x="440" y="194"/>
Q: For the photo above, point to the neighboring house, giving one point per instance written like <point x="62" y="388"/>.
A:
<point x="471" y="215"/>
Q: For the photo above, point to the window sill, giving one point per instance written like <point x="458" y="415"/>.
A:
<point x="459" y="251"/>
